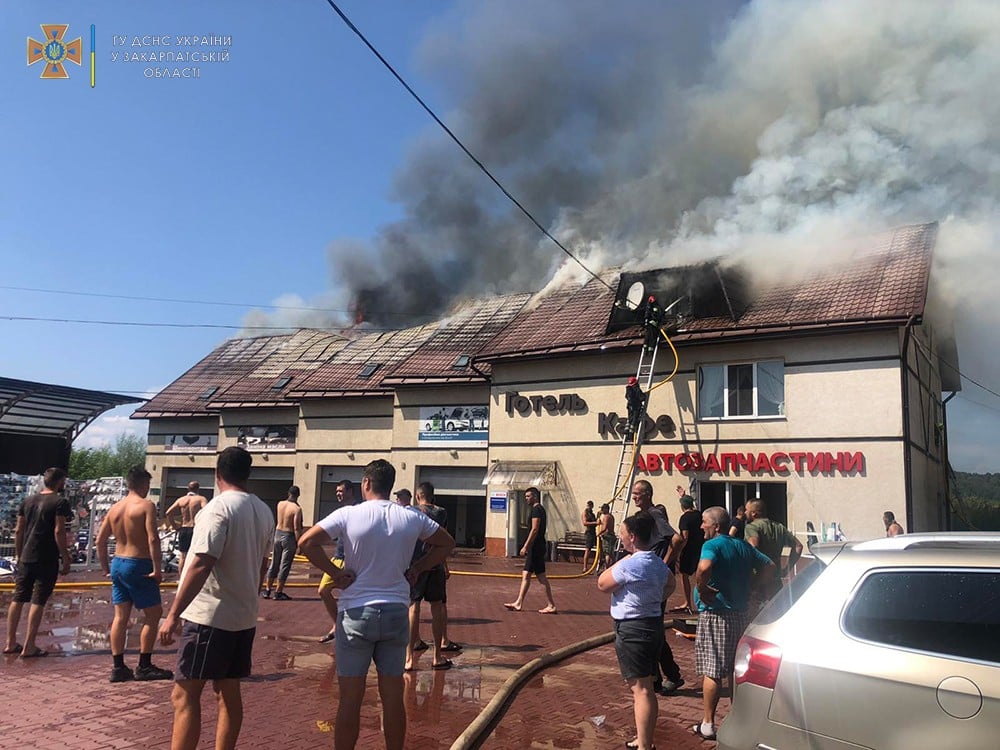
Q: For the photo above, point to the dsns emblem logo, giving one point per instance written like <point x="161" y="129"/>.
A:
<point x="54" y="51"/>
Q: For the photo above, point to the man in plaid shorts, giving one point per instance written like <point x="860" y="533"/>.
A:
<point x="723" y="584"/>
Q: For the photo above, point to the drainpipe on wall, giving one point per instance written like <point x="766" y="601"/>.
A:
<point x="946" y="460"/>
<point x="904" y="372"/>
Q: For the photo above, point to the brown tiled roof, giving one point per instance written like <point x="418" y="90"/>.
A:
<point x="243" y="371"/>
<point x="463" y="333"/>
<point x="379" y="352"/>
<point x="885" y="281"/>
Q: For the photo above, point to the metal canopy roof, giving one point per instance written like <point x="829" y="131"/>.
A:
<point x="28" y="408"/>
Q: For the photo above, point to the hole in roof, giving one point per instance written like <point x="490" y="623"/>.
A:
<point x="462" y="360"/>
<point x="368" y="370"/>
<point x="208" y="392"/>
<point x="280" y="383"/>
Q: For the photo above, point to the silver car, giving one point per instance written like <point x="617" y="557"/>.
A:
<point x="891" y="644"/>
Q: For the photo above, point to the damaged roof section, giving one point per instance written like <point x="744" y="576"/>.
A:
<point x="884" y="282"/>
<point x="359" y="368"/>
<point x="448" y="355"/>
<point x="244" y="372"/>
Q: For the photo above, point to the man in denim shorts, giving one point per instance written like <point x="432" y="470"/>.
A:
<point x="217" y="599"/>
<point x="372" y="622"/>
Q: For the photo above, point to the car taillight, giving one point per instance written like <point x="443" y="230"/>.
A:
<point x="757" y="662"/>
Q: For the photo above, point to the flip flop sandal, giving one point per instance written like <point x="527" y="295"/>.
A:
<point x="328" y="637"/>
<point x="18" y="648"/>
<point x="446" y="664"/>
<point x="452" y="647"/>
<point x="422" y="646"/>
<point x="38" y="653"/>
<point x="697" y="730"/>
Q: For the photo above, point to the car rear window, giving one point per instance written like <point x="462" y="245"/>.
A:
<point x="789" y="594"/>
<point x="949" y="612"/>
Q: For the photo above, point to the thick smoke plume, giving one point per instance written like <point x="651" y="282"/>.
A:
<point x="663" y="132"/>
<point x="651" y="133"/>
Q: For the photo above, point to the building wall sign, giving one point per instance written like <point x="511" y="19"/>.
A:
<point x="614" y="426"/>
<point x="191" y="443"/>
<point x="563" y="403"/>
<point x="778" y="463"/>
<point x="467" y="426"/>
<point x="266" y="437"/>
<point x="498" y="502"/>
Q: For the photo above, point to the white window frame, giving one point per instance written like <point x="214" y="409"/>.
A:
<point x="725" y="391"/>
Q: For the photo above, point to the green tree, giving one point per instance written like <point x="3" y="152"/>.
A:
<point x="108" y="461"/>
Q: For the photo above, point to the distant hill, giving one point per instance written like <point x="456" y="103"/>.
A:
<point x="983" y="486"/>
<point x="977" y="504"/>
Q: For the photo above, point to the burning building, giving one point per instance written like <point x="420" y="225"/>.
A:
<point x="824" y="396"/>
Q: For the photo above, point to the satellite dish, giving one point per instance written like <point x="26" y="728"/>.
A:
<point x="636" y="296"/>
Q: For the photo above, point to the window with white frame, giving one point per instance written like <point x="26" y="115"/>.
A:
<point x="747" y="389"/>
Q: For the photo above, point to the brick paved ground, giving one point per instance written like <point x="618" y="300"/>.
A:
<point x="65" y="701"/>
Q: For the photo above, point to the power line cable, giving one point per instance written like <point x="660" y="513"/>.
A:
<point x="150" y="324"/>
<point x="462" y="146"/>
<point x="952" y="367"/>
<point x="175" y="300"/>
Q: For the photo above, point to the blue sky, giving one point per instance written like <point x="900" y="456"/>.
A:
<point x="233" y="186"/>
<point x="228" y="187"/>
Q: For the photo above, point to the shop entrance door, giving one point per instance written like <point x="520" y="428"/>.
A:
<point x="731" y="495"/>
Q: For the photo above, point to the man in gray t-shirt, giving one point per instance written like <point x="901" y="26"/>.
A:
<point x="217" y="599"/>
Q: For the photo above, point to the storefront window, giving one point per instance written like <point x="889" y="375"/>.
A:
<point x="751" y="389"/>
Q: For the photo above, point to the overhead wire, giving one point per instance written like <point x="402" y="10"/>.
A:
<point x="155" y="324"/>
<point x="461" y="145"/>
<point x="175" y="300"/>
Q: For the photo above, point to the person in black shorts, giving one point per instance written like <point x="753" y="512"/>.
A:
<point x="215" y="609"/>
<point x="692" y="537"/>
<point x="590" y="524"/>
<point x="432" y="587"/>
<point x="40" y="544"/>
<point x="534" y="554"/>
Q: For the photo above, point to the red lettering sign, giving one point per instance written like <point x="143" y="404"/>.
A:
<point x="825" y="462"/>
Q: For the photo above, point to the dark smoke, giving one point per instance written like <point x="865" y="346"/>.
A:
<point x="567" y="102"/>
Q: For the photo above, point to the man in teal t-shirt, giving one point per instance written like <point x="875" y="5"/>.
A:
<point x="723" y="584"/>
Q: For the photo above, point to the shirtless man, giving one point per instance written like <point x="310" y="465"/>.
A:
<point x="327" y="592"/>
<point x="286" y="543"/>
<point x="135" y="575"/>
<point x="606" y="532"/>
<point x="892" y="526"/>
<point x="188" y="506"/>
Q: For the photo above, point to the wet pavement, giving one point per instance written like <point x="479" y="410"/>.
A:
<point x="65" y="700"/>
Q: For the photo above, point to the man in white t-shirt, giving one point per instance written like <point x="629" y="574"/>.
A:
<point x="372" y="623"/>
<point x="215" y="609"/>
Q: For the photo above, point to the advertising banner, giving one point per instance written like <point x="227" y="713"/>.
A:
<point x="454" y="426"/>
<point x="266" y="437"/>
<point x="191" y="443"/>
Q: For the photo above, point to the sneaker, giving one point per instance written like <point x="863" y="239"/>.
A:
<point x="153" y="672"/>
<point x="281" y="596"/>
<point x="121" y="674"/>
<point x="265" y="593"/>
<point x="669" y="687"/>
